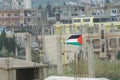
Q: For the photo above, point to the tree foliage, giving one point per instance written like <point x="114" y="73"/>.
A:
<point x="118" y="55"/>
<point x="8" y="43"/>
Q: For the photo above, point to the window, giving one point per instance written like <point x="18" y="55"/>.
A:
<point x="95" y="28"/>
<point x="114" y="19"/>
<point x="19" y="3"/>
<point x="93" y="13"/>
<point x="96" y="20"/>
<point x="75" y="9"/>
<point x="66" y="14"/>
<point x="96" y="43"/>
<point x="28" y="19"/>
<point x="86" y="20"/>
<point x="83" y="9"/>
<point x="77" y="20"/>
<point x="2" y="14"/>
<point x="74" y="14"/>
<point x="103" y="49"/>
<point x="105" y="19"/>
<point x="15" y="22"/>
<point x="16" y="14"/>
<point x="102" y="34"/>
<point x="113" y="43"/>
<point x="114" y="11"/>
<point x="9" y="14"/>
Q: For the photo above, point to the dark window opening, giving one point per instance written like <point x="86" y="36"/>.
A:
<point x="103" y="49"/>
<point x="109" y="56"/>
<point x="96" y="20"/>
<point x="9" y="14"/>
<point x="2" y="14"/>
<point x="77" y="20"/>
<point x="86" y="20"/>
<point x="83" y="9"/>
<point x="102" y="34"/>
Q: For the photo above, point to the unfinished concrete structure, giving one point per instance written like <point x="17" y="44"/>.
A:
<point x="16" y="69"/>
<point x="106" y="44"/>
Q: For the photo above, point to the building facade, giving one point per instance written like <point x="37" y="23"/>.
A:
<point x="15" y="4"/>
<point x="11" y="18"/>
<point x="16" y="69"/>
<point x="33" y="20"/>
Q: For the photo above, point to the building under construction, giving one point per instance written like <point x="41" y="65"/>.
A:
<point x="16" y="69"/>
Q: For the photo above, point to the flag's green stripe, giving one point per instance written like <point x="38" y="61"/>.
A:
<point x="74" y="43"/>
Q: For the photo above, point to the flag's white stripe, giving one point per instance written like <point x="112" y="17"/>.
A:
<point x="72" y="40"/>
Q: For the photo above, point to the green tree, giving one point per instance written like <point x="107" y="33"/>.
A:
<point x="118" y="55"/>
<point x="8" y="43"/>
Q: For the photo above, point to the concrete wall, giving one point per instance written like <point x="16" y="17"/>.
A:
<point x="52" y="49"/>
<point x="12" y="74"/>
<point x="13" y="69"/>
<point x="3" y="74"/>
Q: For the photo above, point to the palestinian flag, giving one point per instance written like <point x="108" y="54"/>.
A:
<point x="75" y="40"/>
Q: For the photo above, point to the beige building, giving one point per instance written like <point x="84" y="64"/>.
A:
<point x="11" y="18"/>
<point x="32" y="20"/>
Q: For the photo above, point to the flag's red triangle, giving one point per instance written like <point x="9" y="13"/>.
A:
<point x="80" y="39"/>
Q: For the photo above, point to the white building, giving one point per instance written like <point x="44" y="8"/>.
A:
<point x="27" y="4"/>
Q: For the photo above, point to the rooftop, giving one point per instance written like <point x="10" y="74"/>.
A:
<point x="10" y="63"/>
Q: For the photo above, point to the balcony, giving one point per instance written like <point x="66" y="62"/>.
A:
<point x="9" y="17"/>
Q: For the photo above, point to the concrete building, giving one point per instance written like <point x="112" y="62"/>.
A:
<point x="51" y="51"/>
<point x="93" y="25"/>
<point x="25" y="66"/>
<point x="16" y="69"/>
<point x="32" y="20"/>
<point x="11" y="18"/>
<point x="78" y="23"/>
<point x="105" y="44"/>
<point x="108" y="8"/>
<point x="16" y="4"/>
<point x="36" y="21"/>
<point x="24" y="40"/>
<point x="64" y="13"/>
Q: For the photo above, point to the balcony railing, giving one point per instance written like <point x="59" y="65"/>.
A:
<point x="9" y="17"/>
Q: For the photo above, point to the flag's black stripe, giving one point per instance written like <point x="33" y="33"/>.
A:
<point x="73" y="36"/>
